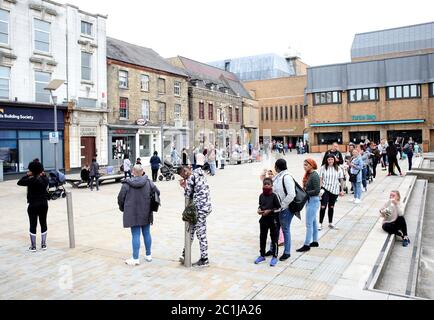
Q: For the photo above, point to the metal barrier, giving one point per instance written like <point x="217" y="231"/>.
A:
<point x="70" y="219"/>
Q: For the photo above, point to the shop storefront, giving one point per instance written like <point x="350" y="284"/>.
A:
<point x="24" y="136"/>
<point x="122" y="143"/>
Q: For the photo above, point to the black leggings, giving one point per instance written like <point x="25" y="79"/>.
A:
<point x="36" y="210"/>
<point x="272" y="224"/>
<point x="393" y="161"/>
<point x="154" y="174"/>
<point x="374" y="167"/>
<point x="396" y="226"/>
<point x="327" y="199"/>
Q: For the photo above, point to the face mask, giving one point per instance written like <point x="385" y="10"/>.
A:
<point x="267" y="190"/>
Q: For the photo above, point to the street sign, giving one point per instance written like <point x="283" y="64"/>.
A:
<point x="54" y="137"/>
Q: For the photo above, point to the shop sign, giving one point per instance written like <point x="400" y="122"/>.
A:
<point x="364" y="117"/>
<point x="123" y="131"/>
<point x="87" y="131"/>
<point x="141" y="122"/>
<point x="30" y="118"/>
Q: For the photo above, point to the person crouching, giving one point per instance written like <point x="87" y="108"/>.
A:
<point x="269" y="206"/>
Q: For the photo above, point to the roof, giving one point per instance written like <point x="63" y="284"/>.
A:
<point x="396" y="40"/>
<point x="202" y="71"/>
<point x="140" y="56"/>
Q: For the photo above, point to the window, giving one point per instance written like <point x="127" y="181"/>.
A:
<point x="431" y="89"/>
<point x="161" y="85"/>
<point x="403" y="92"/>
<point x="281" y="112"/>
<point x="145" y="109"/>
<point x="177" y="111"/>
<point x="305" y="111"/>
<point x="237" y="115"/>
<point x="330" y="97"/>
<point x="86" y="66"/>
<point x="163" y="112"/>
<point x="86" y="28"/>
<point x="177" y="88"/>
<point x="42" y="35"/>
<point x="296" y="112"/>
<point x="4" y="26"/>
<point x="262" y="114"/>
<point x="41" y="81"/>
<point x="271" y="113"/>
<point x="5" y="75"/>
<point x="201" y="110"/>
<point x="144" y="82"/>
<point x="276" y="113"/>
<point x="210" y="111"/>
<point x="227" y="66"/>
<point x="266" y="113"/>
<point x="123" y="79"/>
<point x="329" y="138"/>
<point x="123" y="108"/>
<point x="290" y="112"/>
<point x="286" y="112"/>
<point x="301" y="112"/>
<point x="230" y="114"/>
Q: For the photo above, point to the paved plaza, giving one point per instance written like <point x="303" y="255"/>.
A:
<point x="95" y="269"/>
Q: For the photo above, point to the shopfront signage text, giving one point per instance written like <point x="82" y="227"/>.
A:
<point x="364" y="117"/>
<point x="14" y="116"/>
<point x="88" y="131"/>
<point x="141" y="122"/>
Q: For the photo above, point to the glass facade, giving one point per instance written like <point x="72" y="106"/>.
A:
<point x="329" y="137"/>
<point x="19" y="147"/>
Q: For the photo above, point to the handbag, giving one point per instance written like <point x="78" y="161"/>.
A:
<point x="353" y="176"/>
<point x="155" y="200"/>
<point x="190" y="213"/>
<point x="300" y="198"/>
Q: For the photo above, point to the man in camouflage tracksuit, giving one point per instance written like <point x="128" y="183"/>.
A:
<point x="197" y="188"/>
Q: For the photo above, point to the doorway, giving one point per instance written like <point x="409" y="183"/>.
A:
<point x="88" y="150"/>
<point x="431" y="140"/>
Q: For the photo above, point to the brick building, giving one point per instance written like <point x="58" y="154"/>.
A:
<point x="385" y="92"/>
<point x="145" y="94"/>
<point x="216" y="100"/>
<point x="282" y="107"/>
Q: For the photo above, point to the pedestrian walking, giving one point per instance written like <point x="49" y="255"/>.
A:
<point x="383" y="150"/>
<point x="393" y="218"/>
<point x="392" y="154"/>
<point x="375" y="158"/>
<point x="408" y="150"/>
<point x="332" y="183"/>
<point x="269" y="206"/>
<point x="212" y="160"/>
<point x="37" y="198"/>
<point x="312" y="186"/>
<point x="94" y="174"/>
<point x="284" y="187"/>
<point x="364" y="154"/>
<point x="197" y="189"/>
<point x="134" y="200"/>
<point x="155" y="162"/>
<point x="356" y="167"/>
<point x="127" y="166"/>
<point x="184" y="157"/>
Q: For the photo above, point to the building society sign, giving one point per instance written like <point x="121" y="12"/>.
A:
<point x="15" y="116"/>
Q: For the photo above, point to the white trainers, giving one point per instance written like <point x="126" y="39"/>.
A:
<point x="357" y="201"/>
<point x="320" y="227"/>
<point x="132" y="262"/>
<point x="332" y="226"/>
<point x="148" y="258"/>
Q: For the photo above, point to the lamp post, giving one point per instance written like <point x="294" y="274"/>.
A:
<point x="161" y="129"/>
<point x="53" y="86"/>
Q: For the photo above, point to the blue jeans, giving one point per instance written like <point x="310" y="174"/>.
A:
<point x="364" y="177"/>
<point x="285" y="218"/>
<point x="146" y="231"/>
<point x="357" y="187"/>
<point x="212" y="167"/>
<point x="312" y="208"/>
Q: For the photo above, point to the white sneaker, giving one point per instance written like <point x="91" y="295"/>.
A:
<point x="132" y="262"/>
<point x="332" y="226"/>
<point x="357" y="201"/>
<point x="148" y="258"/>
<point x="351" y="199"/>
<point x="320" y="227"/>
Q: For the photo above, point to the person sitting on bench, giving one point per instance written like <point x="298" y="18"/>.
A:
<point x="84" y="174"/>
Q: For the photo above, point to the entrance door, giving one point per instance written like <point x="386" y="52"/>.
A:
<point x="87" y="150"/>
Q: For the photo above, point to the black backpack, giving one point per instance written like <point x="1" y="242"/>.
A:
<point x="300" y="199"/>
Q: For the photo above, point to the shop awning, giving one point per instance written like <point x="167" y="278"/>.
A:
<point x="366" y="123"/>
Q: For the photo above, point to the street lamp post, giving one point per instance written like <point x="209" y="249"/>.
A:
<point x="162" y="136"/>
<point x="53" y="86"/>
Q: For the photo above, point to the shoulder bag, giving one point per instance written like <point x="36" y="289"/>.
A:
<point x="300" y="199"/>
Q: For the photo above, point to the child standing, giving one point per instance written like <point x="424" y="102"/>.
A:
<point x="268" y="205"/>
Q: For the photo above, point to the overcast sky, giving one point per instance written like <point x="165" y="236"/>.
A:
<point x="321" y="31"/>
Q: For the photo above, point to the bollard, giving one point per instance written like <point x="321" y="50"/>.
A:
<point x="187" y="242"/>
<point x="70" y="219"/>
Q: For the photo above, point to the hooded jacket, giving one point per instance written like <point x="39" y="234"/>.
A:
<point x="134" y="201"/>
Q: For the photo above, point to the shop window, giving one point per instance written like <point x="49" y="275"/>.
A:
<point x="8" y="153"/>
<point x="329" y="137"/>
<point x="145" y="145"/>
<point x="48" y="151"/>
<point x="28" y="151"/>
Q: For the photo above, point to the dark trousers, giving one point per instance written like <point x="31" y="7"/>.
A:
<point x="328" y="199"/>
<point x="35" y="211"/>
<point x="396" y="226"/>
<point x="127" y="173"/>
<point x="384" y="163"/>
<point x="374" y="167"/>
<point x="154" y="174"/>
<point x="269" y="224"/>
<point x="410" y="160"/>
<point x="393" y="161"/>
<point x="365" y="177"/>
<point x="96" y="179"/>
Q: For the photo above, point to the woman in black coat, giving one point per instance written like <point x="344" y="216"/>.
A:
<point x="37" y="197"/>
<point x="392" y="153"/>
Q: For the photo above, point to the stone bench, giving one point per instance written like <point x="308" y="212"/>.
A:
<point x="77" y="182"/>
